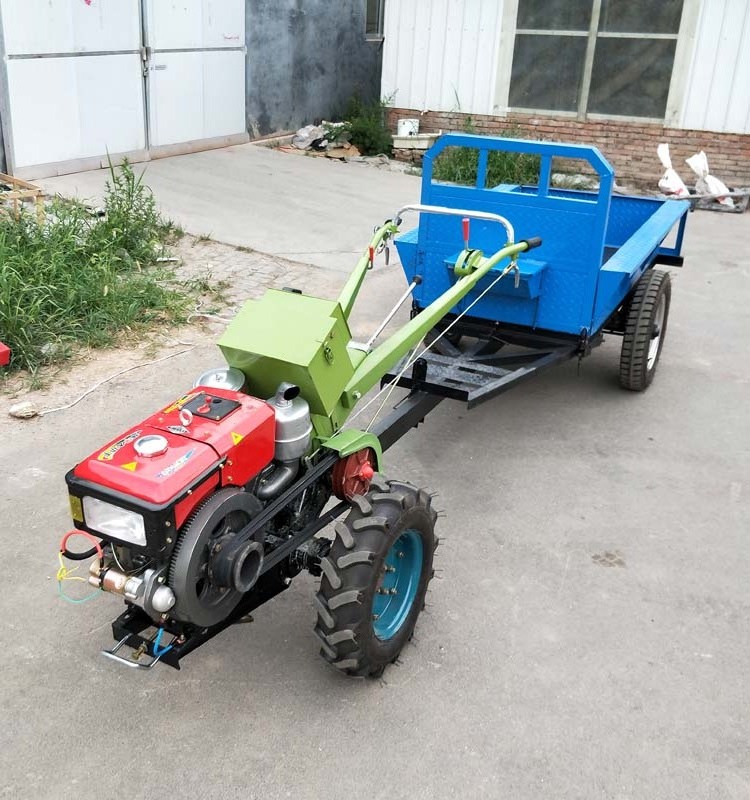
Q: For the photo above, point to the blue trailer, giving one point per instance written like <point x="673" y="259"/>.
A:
<point x="592" y="274"/>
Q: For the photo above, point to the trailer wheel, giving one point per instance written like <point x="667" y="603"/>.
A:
<point x="645" y="329"/>
<point x="375" y="578"/>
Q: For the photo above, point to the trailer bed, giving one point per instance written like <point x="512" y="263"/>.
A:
<point x="596" y="244"/>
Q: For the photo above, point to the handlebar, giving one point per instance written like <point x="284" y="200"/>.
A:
<point x="458" y="212"/>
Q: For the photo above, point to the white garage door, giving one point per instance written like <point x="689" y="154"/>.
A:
<point x="75" y="89"/>
<point x="87" y="78"/>
<point x="196" y="69"/>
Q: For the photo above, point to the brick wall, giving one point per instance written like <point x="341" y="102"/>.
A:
<point x="629" y="146"/>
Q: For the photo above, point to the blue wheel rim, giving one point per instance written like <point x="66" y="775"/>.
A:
<point x="394" y="596"/>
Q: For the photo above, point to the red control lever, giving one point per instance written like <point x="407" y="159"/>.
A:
<point x="465" y="226"/>
<point x="372" y="255"/>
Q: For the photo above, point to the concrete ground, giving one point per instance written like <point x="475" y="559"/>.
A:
<point x="292" y="206"/>
<point x="588" y="634"/>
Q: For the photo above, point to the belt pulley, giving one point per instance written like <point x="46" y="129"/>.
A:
<point x="203" y="595"/>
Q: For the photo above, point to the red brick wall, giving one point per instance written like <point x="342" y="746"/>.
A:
<point x="629" y="146"/>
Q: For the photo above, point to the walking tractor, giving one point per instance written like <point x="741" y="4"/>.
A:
<point x="211" y="506"/>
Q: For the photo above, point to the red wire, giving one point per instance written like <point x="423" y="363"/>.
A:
<point x="97" y="544"/>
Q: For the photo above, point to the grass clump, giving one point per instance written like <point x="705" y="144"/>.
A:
<point x="365" y="128"/>
<point x="459" y="164"/>
<point x="77" y="279"/>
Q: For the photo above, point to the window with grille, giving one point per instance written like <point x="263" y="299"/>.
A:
<point x="608" y="57"/>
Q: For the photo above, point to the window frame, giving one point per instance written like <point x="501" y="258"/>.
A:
<point x="678" y="80"/>
<point x="378" y="34"/>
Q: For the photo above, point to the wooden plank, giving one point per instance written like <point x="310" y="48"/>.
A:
<point x="22" y="191"/>
<point x="13" y="181"/>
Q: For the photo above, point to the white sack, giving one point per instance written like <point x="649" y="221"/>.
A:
<point x="708" y="184"/>
<point x="671" y="182"/>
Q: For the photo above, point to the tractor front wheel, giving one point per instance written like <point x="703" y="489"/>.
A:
<point x="375" y="578"/>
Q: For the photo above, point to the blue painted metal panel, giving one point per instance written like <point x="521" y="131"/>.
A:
<point x="579" y="230"/>
<point x="620" y="273"/>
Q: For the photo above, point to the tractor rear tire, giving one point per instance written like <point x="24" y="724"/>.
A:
<point x="375" y="578"/>
<point x="645" y="329"/>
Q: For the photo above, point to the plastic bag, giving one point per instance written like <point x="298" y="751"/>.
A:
<point x="708" y="184"/>
<point x="305" y="137"/>
<point x="671" y="182"/>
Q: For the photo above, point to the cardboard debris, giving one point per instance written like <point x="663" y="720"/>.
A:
<point x="343" y="152"/>
<point x="347" y="151"/>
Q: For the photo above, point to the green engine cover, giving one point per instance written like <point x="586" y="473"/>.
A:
<point x="291" y="337"/>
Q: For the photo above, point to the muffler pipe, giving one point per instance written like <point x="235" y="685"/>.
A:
<point x="280" y="479"/>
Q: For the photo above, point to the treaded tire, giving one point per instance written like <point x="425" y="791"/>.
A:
<point x="642" y="326"/>
<point x="355" y="568"/>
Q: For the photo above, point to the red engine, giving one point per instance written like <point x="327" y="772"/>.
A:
<point x="163" y="467"/>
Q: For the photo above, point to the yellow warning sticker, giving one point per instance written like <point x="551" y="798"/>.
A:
<point x="76" y="509"/>
<point x="180" y="403"/>
<point x="237" y="437"/>
<point x="131" y="466"/>
<point x="108" y="454"/>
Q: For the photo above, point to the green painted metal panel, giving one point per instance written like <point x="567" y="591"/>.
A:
<point x="291" y="337"/>
<point x="351" y="440"/>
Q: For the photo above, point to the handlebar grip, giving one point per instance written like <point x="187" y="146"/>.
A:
<point x="535" y="241"/>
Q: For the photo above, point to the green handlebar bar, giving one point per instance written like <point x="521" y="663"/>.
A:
<point x="351" y="288"/>
<point x="384" y="357"/>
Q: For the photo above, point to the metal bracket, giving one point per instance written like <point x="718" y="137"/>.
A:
<point x="129" y="662"/>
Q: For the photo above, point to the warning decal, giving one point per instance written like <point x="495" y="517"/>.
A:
<point x="180" y="403"/>
<point x="108" y="454"/>
<point x="237" y="437"/>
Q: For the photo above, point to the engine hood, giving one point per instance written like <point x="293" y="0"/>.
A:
<point x="226" y="426"/>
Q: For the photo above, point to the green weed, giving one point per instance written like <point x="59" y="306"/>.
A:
<point x="366" y="127"/>
<point x="79" y="280"/>
<point x="459" y="164"/>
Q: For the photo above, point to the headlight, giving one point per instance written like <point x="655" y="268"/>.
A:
<point x="119" y="523"/>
